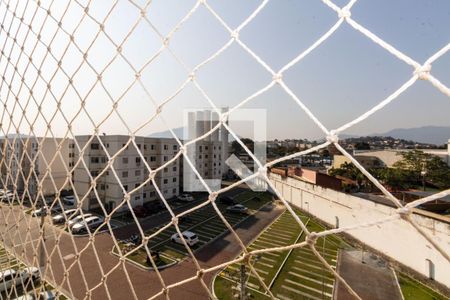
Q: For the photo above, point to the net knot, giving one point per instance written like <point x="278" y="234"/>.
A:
<point x="200" y="273"/>
<point x="332" y="137"/>
<point x="213" y="196"/>
<point x="423" y="72"/>
<point x="262" y="171"/>
<point x="192" y="76"/>
<point x="166" y="41"/>
<point x="175" y="221"/>
<point x="404" y="212"/>
<point x="277" y="77"/>
<point x="182" y="149"/>
<point x="344" y="13"/>
<point x="235" y="35"/>
<point x="311" y="238"/>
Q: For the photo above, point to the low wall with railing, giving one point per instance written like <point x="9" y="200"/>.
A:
<point x="397" y="239"/>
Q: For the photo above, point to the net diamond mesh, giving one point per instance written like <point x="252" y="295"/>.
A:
<point x="28" y="31"/>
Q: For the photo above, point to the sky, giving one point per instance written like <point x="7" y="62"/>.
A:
<point x="341" y="79"/>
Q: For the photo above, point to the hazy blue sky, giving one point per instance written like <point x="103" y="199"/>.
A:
<point x="340" y="80"/>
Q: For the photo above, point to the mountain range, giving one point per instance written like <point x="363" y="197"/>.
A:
<point x="437" y="135"/>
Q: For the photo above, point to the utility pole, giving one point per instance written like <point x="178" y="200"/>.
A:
<point x="42" y="256"/>
<point x="243" y="282"/>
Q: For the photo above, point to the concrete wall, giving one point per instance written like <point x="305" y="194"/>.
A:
<point x="397" y="239"/>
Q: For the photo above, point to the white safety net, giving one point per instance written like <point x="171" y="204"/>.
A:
<point x="77" y="267"/>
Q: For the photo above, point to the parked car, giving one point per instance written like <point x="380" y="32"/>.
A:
<point x="43" y="295"/>
<point x="65" y="215"/>
<point x="226" y="200"/>
<point x="153" y="207"/>
<point x="190" y="238"/>
<point x="237" y="208"/>
<point x="10" y="278"/>
<point x="75" y="220"/>
<point x="140" y="211"/>
<point x="185" y="198"/>
<point x="69" y="200"/>
<point x="89" y="223"/>
<point x="43" y="211"/>
<point x="8" y="196"/>
<point x="4" y="191"/>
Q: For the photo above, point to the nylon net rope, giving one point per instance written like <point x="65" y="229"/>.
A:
<point x="30" y="242"/>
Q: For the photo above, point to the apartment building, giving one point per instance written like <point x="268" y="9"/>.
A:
<point x="208" y="155"/>
<point x="33" y="163"/>
<point x="128" y="172"/>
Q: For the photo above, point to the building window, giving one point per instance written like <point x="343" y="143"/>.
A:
<point x="144" y="195"/>
<point x="152" y="147"/>
<point x="124" y="160"/>
<point x="107" y="145"/>
<point x="206" y="147"/>
<point x="139" y="146"/>
<point x="137" y="173"/>
<point x="166" y="181"/>
<point x="206" y="155"/>
<point x="125" y="187"/>
<point x="206" y="165"/>
<point x="138" y="161"/>
<point x="174" y="191"/>
<point x="94" y="160"/>
<point x="174" y="169"/>
<point x="166" y="147"/>
<point x="199" y="157"/>
<point x="95" y="146"/>
<point x="136" y="185"/>
<point x="94" y="173"/>
<point x="174" y="179"/>
<point x="166" y="169"/>
<point x="107" y="173"/>
<point x="152" y="194"/>
<point x="165" y="158"/>
<point x="125" y="174"/>
<point x="174" y="147"/>
<point x="103" y="159"/>
<point x="145" y="148"/>
<point x="152" y="158"/>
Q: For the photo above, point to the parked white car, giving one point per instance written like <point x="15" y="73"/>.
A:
<point x="40" y="211"/>
<point x="78" y="219"/>
<point x="66" y="214"/>
<point x="11" y="277"/>
<point x="185" y="198"/>
<point x="69" y="201"/>
<point x="44" y="295"/>
<point x="190" y="238"/>
<point x="237" y="208"/>
<point x="91" y="223"/>
<point x="8" y="196"/>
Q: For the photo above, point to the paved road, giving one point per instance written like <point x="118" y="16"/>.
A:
<point x="96" y="259"/>
<point x="370" y="280"/>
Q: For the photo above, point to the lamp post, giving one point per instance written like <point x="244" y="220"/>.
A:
<point x="423" y="173"/>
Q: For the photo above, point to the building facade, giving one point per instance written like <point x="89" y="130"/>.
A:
<point x="35" y="163"/>
<point x="130" y="169"/>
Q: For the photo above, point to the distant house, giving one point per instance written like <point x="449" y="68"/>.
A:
<point x="387" y="158"/>
<point x="310" y="176"/>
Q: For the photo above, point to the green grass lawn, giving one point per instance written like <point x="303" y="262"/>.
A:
<point x="301" y="271"/>
<point x="414" y="290"/>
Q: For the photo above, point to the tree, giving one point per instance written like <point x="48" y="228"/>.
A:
<point x="420" y="166"/>
<point x="236" y="148"/>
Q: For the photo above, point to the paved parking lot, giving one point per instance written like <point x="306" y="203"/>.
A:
<point x="294" y="274"/>
<point x="205" y="223"/>
<point x="7" y="262"/>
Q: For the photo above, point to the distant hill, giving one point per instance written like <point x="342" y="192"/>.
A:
<point x="428" y="134"/>
<point x="167" y="134"/>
